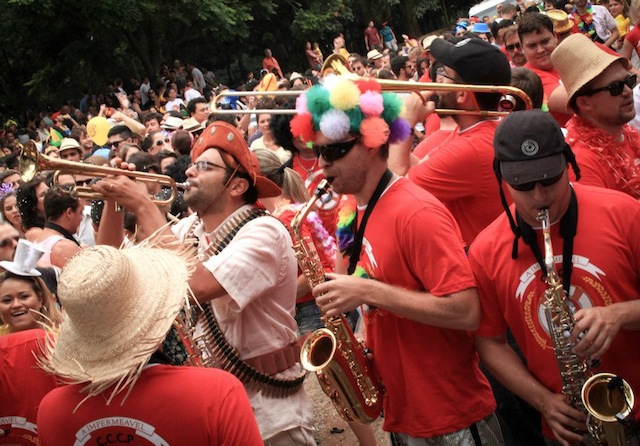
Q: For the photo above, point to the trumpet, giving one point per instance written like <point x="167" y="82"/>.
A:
<point x="336" y="64"/>
<point x="31" y="162"/>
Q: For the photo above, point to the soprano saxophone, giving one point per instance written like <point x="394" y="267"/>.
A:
<point x="606" y="398"/>
<point x="333" y="352"/>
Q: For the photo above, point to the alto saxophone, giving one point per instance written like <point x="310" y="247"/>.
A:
<point x="333" y="352"/>
<point x="606" y="398"/>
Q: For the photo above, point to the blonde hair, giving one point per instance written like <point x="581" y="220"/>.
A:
<point x="51" y="313"/>
<point x="288" y="179"/>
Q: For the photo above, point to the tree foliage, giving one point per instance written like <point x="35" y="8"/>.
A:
<point x="54" y="49"/>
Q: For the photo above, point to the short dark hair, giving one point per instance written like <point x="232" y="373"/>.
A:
<point x="145" y="162"/>
<point x="151" y="116"/>
<point x="177" y="170"/>
<point x="191" y="105"/>
<point x="120" y="130"/>
<point x="181" y="142"/>
<point x="56" y="202"/>
<point x="534" y="22"/>
<point x="398" y="63"/>
<point x="529" y="82"/>
<point x="497" y="26"/>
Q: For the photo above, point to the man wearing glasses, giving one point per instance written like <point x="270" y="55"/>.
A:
<point x="403" y="68"/>
<point x="246" y="279"/>
<point x="119" y="134"/>
<point x="595" y="238"/>
<point x="407" y="271"/>
<point x="599" y="91"/>
<point x="514" y="47"/>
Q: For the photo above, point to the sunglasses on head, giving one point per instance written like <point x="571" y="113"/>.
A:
<point x="333" y="152"/>
<point x="525" y="187"/>
<point x="615" y="88"/>
<point x="161" y="142"/>
<point x="7" y="241"/>
<point x="513" y="46"/>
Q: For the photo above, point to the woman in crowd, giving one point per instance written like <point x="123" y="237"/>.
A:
<point x="9" y="207"/>
<point x="26" y="302"/>
<point x="31" y="205"/>
<point x="267" y="140"/>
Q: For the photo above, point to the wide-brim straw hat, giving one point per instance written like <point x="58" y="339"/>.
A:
<point x="119" y="306"/>
<point x="579" y="60"/>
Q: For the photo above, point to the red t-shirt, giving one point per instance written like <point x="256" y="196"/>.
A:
<point x="550" y="81"/>
<point x="371" y="34"/>
<point x="431" y="142"/>
<point x="633" y="37"/>
<point x="600" y="156"/>
<point x="606" y="269"/>
<point x="168" y="405"/>
<point x="22" y="386"/>
<point x="432" y="123"/>
<point x="411" y="241"/>
<point x="460" y="174"/>
<point x="269" y="63"/>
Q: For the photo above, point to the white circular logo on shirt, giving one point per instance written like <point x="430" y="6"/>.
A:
<point x="529" y="147"/>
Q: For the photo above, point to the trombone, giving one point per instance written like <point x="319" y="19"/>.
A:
<point x="32" y="162"/>
<point x="336" y="64"/>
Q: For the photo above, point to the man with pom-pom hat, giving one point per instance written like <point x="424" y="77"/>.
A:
<point x="422" y="300"/>
<point x="459" y="172"/>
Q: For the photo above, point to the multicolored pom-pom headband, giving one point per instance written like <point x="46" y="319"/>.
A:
<point x="340" y="107"/>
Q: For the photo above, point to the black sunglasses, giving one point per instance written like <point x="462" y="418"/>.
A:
<point x="513" y="46"/>
<point x="333" y="152"/>
<point x="525" y="187"/>
<point x="615" y="88"/>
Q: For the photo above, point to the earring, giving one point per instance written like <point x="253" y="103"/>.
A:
<point x="44" y="310"/>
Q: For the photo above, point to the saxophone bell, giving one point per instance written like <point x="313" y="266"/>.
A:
<point x="333" y="353"/>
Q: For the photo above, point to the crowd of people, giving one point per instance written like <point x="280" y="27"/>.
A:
<point x="124" y="292"/>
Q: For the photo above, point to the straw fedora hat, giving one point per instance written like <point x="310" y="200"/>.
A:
<point x="561" y="21"/>
<point x="579" y="60"/>
<point x="120" y="304"/>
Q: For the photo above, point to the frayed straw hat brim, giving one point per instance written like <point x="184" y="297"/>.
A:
<point x="120" y="304"/>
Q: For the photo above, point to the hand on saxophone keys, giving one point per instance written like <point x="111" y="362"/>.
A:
<point x="600" y="326"/>
<point x="567" y="423"/>
<point x="339" y="294"/>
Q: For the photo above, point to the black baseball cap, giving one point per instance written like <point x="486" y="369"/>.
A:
<point x="529" y="146"/>
<point x="475" y="61"/>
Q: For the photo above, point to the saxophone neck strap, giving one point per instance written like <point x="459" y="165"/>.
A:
<point x="568" y="229"/>
<point x="357" y="241"/>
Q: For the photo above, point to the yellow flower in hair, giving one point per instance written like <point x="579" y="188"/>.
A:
<point x="344" y="95"/>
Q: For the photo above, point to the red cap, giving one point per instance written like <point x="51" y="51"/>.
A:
<point x="234" y="150"/>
